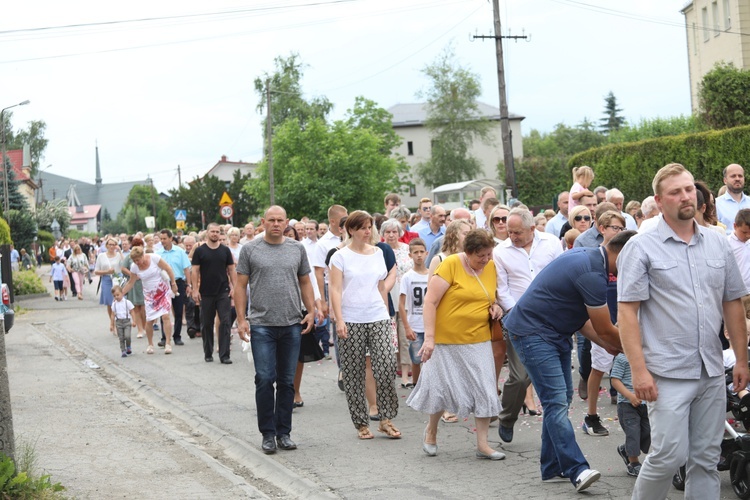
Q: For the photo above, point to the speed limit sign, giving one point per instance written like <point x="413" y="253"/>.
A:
<point x="227" y="211"/>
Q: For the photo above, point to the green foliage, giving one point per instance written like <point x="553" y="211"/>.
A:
<point x="141" y="202"/>
<point x="657" y="127"/>
<point x="612" y="120"/>
<point x="75" y="234"/>
<point x="51" y="210"/>
<point x="632" y="166"/>
<point x="46" y="240"/>
<point x="204" y="193"/>
<point x="22" y="228"/>
<point x="27" y="283"/>
<point x="286" y="95"/>
<point x="453" y="120"/>
<point x="724" y="97"/>
<point x="346" y="163"/>
<point x="5" y="238"/>
<point x="21" y="485"/>
<point x="33" y="135"/>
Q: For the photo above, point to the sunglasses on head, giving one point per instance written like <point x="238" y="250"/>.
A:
<point x="502" y="219"/>
<point x="579" y="218"/>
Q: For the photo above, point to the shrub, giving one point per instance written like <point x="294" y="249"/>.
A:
<point x="27" y="283"/>
<point x="5" y="233"/>
<point x="21" y="484"/>
<point x="46" y="240"/>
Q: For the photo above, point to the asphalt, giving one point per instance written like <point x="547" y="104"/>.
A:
<point x="156" y="426"/>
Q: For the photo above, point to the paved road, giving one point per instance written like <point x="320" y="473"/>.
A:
<point x="189" y="426"/>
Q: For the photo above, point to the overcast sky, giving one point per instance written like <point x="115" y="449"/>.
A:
<point x="177" y="89"/>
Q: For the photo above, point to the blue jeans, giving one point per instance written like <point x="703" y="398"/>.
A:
<point x="584" y="356"/>
<point x="549" y="369"/>
<point x="275" y="354"/>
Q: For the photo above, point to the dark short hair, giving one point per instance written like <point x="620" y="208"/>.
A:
<point x="167" y="232"/>
<point x="477" y="240"/>
<point x="615" y="244"/>
<point x="742" y="218"/>
<point x="417" y="242"/>
<point x="357" y="220"/>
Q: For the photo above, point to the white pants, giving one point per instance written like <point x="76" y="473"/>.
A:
<point x="687" y="425"/>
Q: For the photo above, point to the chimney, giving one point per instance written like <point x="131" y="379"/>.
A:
<point x="26" y="156"/>
<point x="223" y="158"/>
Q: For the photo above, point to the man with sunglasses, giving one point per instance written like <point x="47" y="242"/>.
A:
<point x="424" y="211"/>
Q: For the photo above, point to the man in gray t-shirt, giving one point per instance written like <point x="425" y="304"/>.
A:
<point x="277" y="270"/>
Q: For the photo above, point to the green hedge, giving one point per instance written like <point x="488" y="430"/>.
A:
<point x="27" y="283"/>
<point x="631" y="166"/>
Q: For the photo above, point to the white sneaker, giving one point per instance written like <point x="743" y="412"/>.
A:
<point x="587" y="478"/>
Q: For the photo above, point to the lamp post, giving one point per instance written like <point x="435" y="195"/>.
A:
<point x="6" y="205"/>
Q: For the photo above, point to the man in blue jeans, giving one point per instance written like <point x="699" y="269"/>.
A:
<point x="567" y="296"/>
<point x="277" y="270"/>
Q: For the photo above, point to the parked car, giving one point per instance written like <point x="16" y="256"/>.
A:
<point x="5" y="309"/>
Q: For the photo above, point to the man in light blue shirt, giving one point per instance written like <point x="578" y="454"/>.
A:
<point x="436" y="227"/>
<point x="181" y="266"/>
<point x="555" y="224"/>
<point x="731" y="202"/>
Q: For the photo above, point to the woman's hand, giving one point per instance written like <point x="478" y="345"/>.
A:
<point x="427" y="349"/>
<point x="341" y="330"/>
<point x="496" y="312"/>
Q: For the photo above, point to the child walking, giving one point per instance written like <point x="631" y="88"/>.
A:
<point x="411" y="300"/>
<point x="57" y="275"/>
<point x="633" y="416"/>
<point x="121" y="320"/>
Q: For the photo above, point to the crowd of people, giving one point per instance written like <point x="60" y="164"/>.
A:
<point x="652" y="293"/>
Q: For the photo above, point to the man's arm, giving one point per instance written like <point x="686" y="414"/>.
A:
<point x="240" y="305"/>
<point x="600" y="330"/>
<point x="630" y="334"/>
<point x="308" y="299"/>
<point x="194" y="279"/>
<point x="734" y="320"/>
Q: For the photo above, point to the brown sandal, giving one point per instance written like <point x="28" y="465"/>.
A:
<point x="363" y="432"/>
<point x="387" y="428"/>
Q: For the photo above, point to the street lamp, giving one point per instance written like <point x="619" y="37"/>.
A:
<point x="6" y="205"/>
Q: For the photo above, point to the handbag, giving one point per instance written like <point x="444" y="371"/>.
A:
<point x="496" y="326"/>
<point x="309" y="349"/>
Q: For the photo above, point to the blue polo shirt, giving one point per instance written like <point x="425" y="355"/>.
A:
<point x="178" y="259"/>
<point x="554" y="305"/>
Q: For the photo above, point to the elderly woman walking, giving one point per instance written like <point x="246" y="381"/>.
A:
<point x="458" y="374"/>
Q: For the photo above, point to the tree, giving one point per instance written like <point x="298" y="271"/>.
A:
<point x="286" y="95"/>
<point x="347" y="162"/>
<point x="453" y="120"/>
<point x="16" y="201"/>
<point x="724" y="97"/>
<point x="612" y="119"/>
<point x="51" y="210"/>
<point x="245" y="206"/>
<point x="33" y="135"/>
<point x="201" y="195"/>
<point x="23" y="228"/>
<point x="139" y="205"/>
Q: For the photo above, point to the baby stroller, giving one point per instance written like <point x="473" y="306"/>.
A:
<point x="735" y="447"/>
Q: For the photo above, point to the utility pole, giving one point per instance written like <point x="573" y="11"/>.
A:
<point x="510" y="170"/>
<point x="179" y="177"/>
<point x="153" y="197"/>
<point x="269" y="154"/>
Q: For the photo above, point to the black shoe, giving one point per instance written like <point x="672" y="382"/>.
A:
<point x="191" y="332"/>
<point x="209" y="359"/>
<point x="179" y="342"/>
<point x="506" y="433"/>
<point x="161" y="343"/>
<point x="226" y="361"/>
<point x="284" y="442"/>
<point x="269" y="445"/>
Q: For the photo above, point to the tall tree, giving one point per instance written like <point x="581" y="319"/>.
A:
<point x="287" y="100"/>
<point x="348" y="162"/>
<point x="453" y="120"/>
<point x="33" y="135"/>
<point x="202" y="194"/>
<point x="724" y="97"/>
<point x="612" y="119"/>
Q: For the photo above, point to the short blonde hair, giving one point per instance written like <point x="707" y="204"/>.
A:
<point x="578" y="211"/>
<point x="669" y="170"/>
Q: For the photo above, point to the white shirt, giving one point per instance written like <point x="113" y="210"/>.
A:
<point x="649" y="224"/>
<point x="361" y="301"/>
<point x="480" y="218"/>
<point x="742" y="256"/>
<point x="309" y="248"/>
<point x="516" y="269"/>
<point x="322" y="247"/>
<point x="630" y="223"/>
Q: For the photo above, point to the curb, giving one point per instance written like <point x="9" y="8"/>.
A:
<point x="30" y="296"/>
<point x="246" y="455"/>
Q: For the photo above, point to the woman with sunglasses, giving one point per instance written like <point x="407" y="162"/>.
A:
<point x="580" y="218"/>
<point x="497" y="223"/>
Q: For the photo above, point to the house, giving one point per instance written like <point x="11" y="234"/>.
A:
<point x="408" y="122"/>
<point x="224" y="169"/>
<point x="85" y="217"/>
<point x="109" y="197"/>
<point x="714" y="30"/>
<point x="22" y="172"/>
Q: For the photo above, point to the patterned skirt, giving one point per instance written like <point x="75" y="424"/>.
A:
<point x="158" y="302"/>
<point x="459" y="378"/>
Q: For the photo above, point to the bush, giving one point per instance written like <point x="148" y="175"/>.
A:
<point x="46" y="240"/>
<point x="631" y="166"/>
<point x="5" y="233"/>
<point x="21" y="484"/>
<point x="27" y="283"/>
<point x="23" y="229"/>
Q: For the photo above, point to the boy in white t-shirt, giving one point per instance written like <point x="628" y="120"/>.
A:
<point x="411" y="301"/>
<point x="122" y="321"/>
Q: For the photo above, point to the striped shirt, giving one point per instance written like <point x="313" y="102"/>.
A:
<point x="681" y="287"/>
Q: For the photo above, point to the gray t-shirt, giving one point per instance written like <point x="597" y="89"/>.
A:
<point x="273" y="273"/>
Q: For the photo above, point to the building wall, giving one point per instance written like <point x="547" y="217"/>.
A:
<point x="225" y="171"/>
<point x="488" y="154"/>
<point x="720" y="40"/>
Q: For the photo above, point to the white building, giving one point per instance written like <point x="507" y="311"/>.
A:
<point x="408" y="122"/>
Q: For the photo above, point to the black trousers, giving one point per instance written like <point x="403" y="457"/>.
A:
<point x="210" y="306"/>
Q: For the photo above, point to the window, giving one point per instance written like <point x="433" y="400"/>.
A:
<point x="727" y="16"/>
<point x="410" y="148"/>
<point x="704" y="24"/>
<point x="412" y="190"/>
<point x="715" y="15"/>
